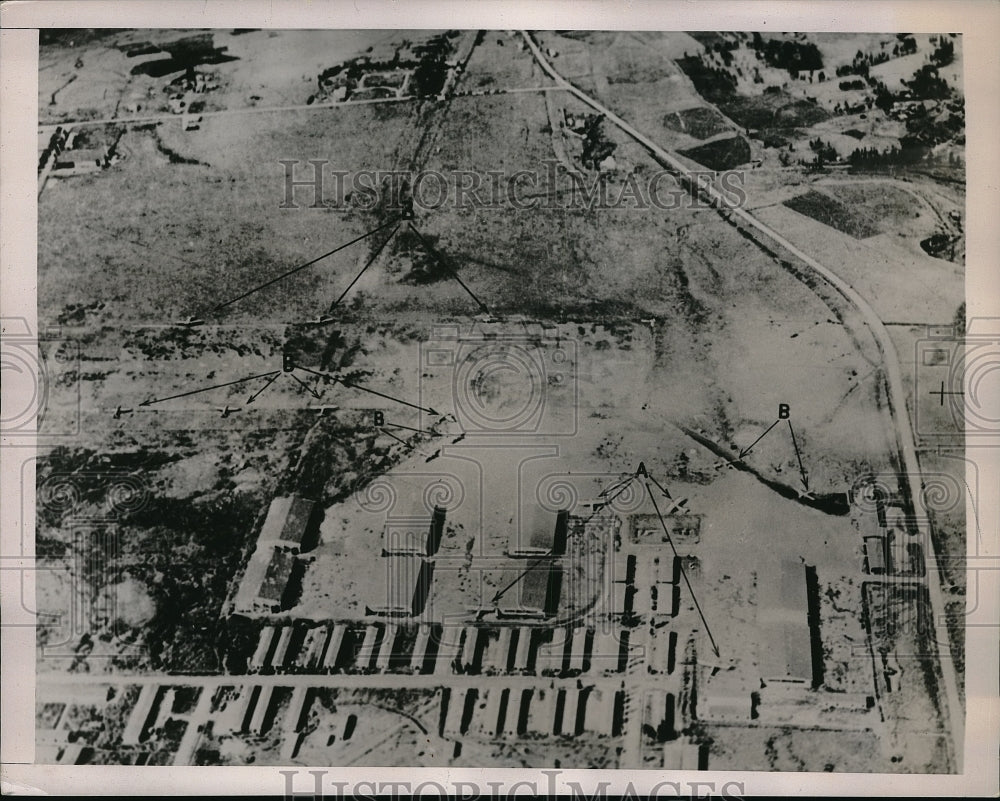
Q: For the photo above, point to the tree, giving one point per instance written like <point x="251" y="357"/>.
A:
<point x="944" y="54"/>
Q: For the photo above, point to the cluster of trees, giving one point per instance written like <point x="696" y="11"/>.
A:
<point x="824" y="151"/>
<point x="725" y="47"/>
<point x="933" y="129"/>
<point x="909" y="152"/>
<point x="861" y="63"/>
<point x="907" y="45"/>
<point x="432" y="71"/>
<point x="713" y="83"/>
<point x="927" y="84"/>
<point x="944" y="53"/>
<point x="788" y="55"/>
<point x="596" y="146"/>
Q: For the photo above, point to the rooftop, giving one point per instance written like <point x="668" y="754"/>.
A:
<point x="287" y="520"/>
<point x="276" y="577"/>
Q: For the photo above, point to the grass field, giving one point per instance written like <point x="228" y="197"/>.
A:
<point x="828" y="211"/>
<point x="721" y="154"/>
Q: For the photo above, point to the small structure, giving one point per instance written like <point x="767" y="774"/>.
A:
<point x="607" y="650"/>
<point x="599" y="712"/>
<point x="541" y="710"/>
<point x="551" y="654"/>
<point x="233" y="717"/>
<point x="289" y="525"/>
<point x="407" y="587"/>
<point x="685" y="755"/>
<point x="578" y="650"/>
<point x="264" y="642"/>
<point x="280" y="586"/>
<point x="785" y="644"/>
<point x="543" y="535"/>
<point x="142" y="714"/>
<point x="78" y="162"/>
<point x="277" y="659"/>
<point x="454" y="721"/>
<point x="261" y="720"/>
<point x="535" y="592"/>
<point x="876" y="554"/>
<point x="522" y="653"/>
<point x="414" y="536"/>
<point x="331" y="659"/>
<point x="418" y="656"/>
<point x="568" y="722"/>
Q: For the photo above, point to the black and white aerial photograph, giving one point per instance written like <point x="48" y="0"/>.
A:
<point x="485" y="398"/>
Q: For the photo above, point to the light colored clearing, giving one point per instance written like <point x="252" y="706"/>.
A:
<point x="899" y="283"/>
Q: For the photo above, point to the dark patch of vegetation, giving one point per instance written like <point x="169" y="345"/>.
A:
<point x="825" y="152"/>
<point x="183" y="551"/>
<point x="701" y="122"/>
<point x="937" y="245"/>
<point x="721" y="154"/>
<point x="173" y="155"/>
<point x="790" y="55"/>
<point x="773" y="111"/>
<point x="861" y="64"/>
<point x="73" y="37"/>
<point x="432" y="70"/>
<point x="944" y="54"/>
<point x="927" y="84"/>
<point x="833" y="213"/>
<point x="870" y="158"/>
<point x="596" y="145"/>
<point x="713" y="83"/>
<point x="184" y="55"/>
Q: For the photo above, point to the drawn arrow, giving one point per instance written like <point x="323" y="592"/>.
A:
<point x="805" y="479"/>
<point x="206" y="389"/>
<point x="418" y="430"/>
<point x="440" y="260"/>
<point x="749" y="447"/>
<point x="309" y="263"/>
<point x="329" y="377"/>
<point x="662" y="489"/>
<point x="368" y="264"/>
<point x="398" y="439"/>
<point x="680" y="564"/>
<point x="305" y="386"/>
<point x="532" y="566"/>
<point x="614" y="487"/>
<point x="338" y="380"/>
<point x="270" y="381"/>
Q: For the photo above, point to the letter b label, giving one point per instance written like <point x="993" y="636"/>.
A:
<point x="783" y="411"/>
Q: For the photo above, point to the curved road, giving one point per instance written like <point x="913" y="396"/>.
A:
<point x="896" y="392"/>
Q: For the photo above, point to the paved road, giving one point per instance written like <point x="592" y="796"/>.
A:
<point x="53" y="683"/>
<point x="896" y="390"/>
